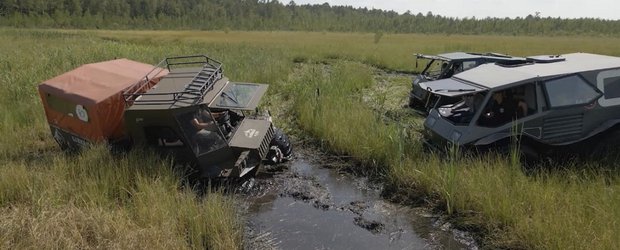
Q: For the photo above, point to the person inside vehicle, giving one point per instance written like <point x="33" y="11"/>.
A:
<point x="520" y="104"/>
<point x="498" y="112"/>
<point x="222" y="117"/>
<point x="206" y="135"/>
<point x="444" y="68"/>
<point x="455" y="68"/>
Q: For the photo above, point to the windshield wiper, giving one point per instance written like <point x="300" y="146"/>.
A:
<point x="230" y="97"/>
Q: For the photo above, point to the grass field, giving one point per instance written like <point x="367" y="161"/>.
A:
<point x="99" y="200"/>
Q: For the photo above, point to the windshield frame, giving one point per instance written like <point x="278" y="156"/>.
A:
<point x="437" y="71"/>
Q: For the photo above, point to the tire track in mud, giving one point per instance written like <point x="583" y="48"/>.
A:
<point x="311" y="203"/>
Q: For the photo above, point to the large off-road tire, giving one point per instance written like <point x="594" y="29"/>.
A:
<point x="281" y="148"/>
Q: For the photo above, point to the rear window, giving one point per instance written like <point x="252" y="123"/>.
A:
<point x="469" y="65"/>
<point x="570" y="90"/>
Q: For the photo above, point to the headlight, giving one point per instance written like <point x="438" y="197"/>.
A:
<point x="455" y="136"/>
<point x="445" y="112"/>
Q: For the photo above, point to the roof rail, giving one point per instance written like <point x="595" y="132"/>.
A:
<point x="497" y="55"/>
<point x="194" y="92"/>
<point x="546" y="58"/>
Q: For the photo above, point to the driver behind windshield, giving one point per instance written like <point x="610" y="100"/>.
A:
<point x="502" y="108"/>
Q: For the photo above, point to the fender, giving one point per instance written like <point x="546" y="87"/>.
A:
<point x="492" y="138"/>
<point x="531" y="134"/>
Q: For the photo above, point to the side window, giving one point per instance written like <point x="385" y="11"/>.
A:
<point x="469" y="64"/>
<point x="568" y="91"/>
<point x="508" y="105"/>
<point x="160" y="136"/>
<point x="457" y="67"/>
<point x="609" y="82"/>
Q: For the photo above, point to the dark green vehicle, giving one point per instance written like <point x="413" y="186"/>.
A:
<point x="445" y="66"/>
<point x="182" y="107"/>
<point x="204" y="120"/>
<point x="553" y="104"/>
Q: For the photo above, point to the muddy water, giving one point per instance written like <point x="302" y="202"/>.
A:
<point x="309" y="205"/>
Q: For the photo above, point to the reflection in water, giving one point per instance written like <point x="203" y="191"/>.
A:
<point x="316" y="208"/>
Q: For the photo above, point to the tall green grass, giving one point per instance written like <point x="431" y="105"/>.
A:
<point x="329" y="98"/>
<point x="96" y="200"/>
<point x="393" y="52"/>
<point x="562" y="209"/>
<point x="558" y="210"/>
<point x="329" y="106"/>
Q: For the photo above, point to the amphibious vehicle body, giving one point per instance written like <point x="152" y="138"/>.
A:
<point x="556" y="102"/>
<point x="182" y="107"/>
<point x="445" y="66"/>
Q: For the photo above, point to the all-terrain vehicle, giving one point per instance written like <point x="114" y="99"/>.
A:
<point x="552" y="104"/>
<point x="444" y="66"/>
<point x="184" y="107"/>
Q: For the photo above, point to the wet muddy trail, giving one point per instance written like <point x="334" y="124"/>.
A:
<point x="308" y="204"/>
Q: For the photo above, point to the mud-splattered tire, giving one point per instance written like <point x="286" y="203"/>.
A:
<point x="280" y="148"/>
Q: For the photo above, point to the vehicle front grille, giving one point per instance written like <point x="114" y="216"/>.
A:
<point x="264" y="146"/>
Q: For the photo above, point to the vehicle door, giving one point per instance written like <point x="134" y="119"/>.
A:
<point x="568" y="99"/>
<point x="508" y="111"/>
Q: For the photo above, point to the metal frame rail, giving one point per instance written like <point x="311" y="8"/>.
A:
<point x="193" y="93"/>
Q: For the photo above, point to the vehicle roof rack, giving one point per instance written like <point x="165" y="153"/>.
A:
<point x="203" y="81"/>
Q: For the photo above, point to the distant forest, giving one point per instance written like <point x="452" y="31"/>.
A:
<point x="273" y="15"/>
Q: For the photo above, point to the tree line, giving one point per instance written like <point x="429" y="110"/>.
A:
<point x="274" y="15"/>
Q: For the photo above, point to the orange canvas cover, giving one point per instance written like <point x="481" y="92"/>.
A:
<point x="89" y="99"/>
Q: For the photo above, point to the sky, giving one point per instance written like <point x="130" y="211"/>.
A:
<point x="605" y="9"/>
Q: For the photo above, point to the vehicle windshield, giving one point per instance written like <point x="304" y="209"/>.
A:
<point x="434" y="69"/>
<point x="242" y="96"/>
<point x="460" y="110"/>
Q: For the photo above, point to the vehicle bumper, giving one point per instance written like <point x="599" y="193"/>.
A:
<point x="68" y="140"/>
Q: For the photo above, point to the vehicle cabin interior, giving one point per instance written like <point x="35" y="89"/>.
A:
<point x="507" y="105"/>
<point x="503" y="106"/>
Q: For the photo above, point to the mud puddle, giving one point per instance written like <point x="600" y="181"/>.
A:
<point x="309" y="205"/>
